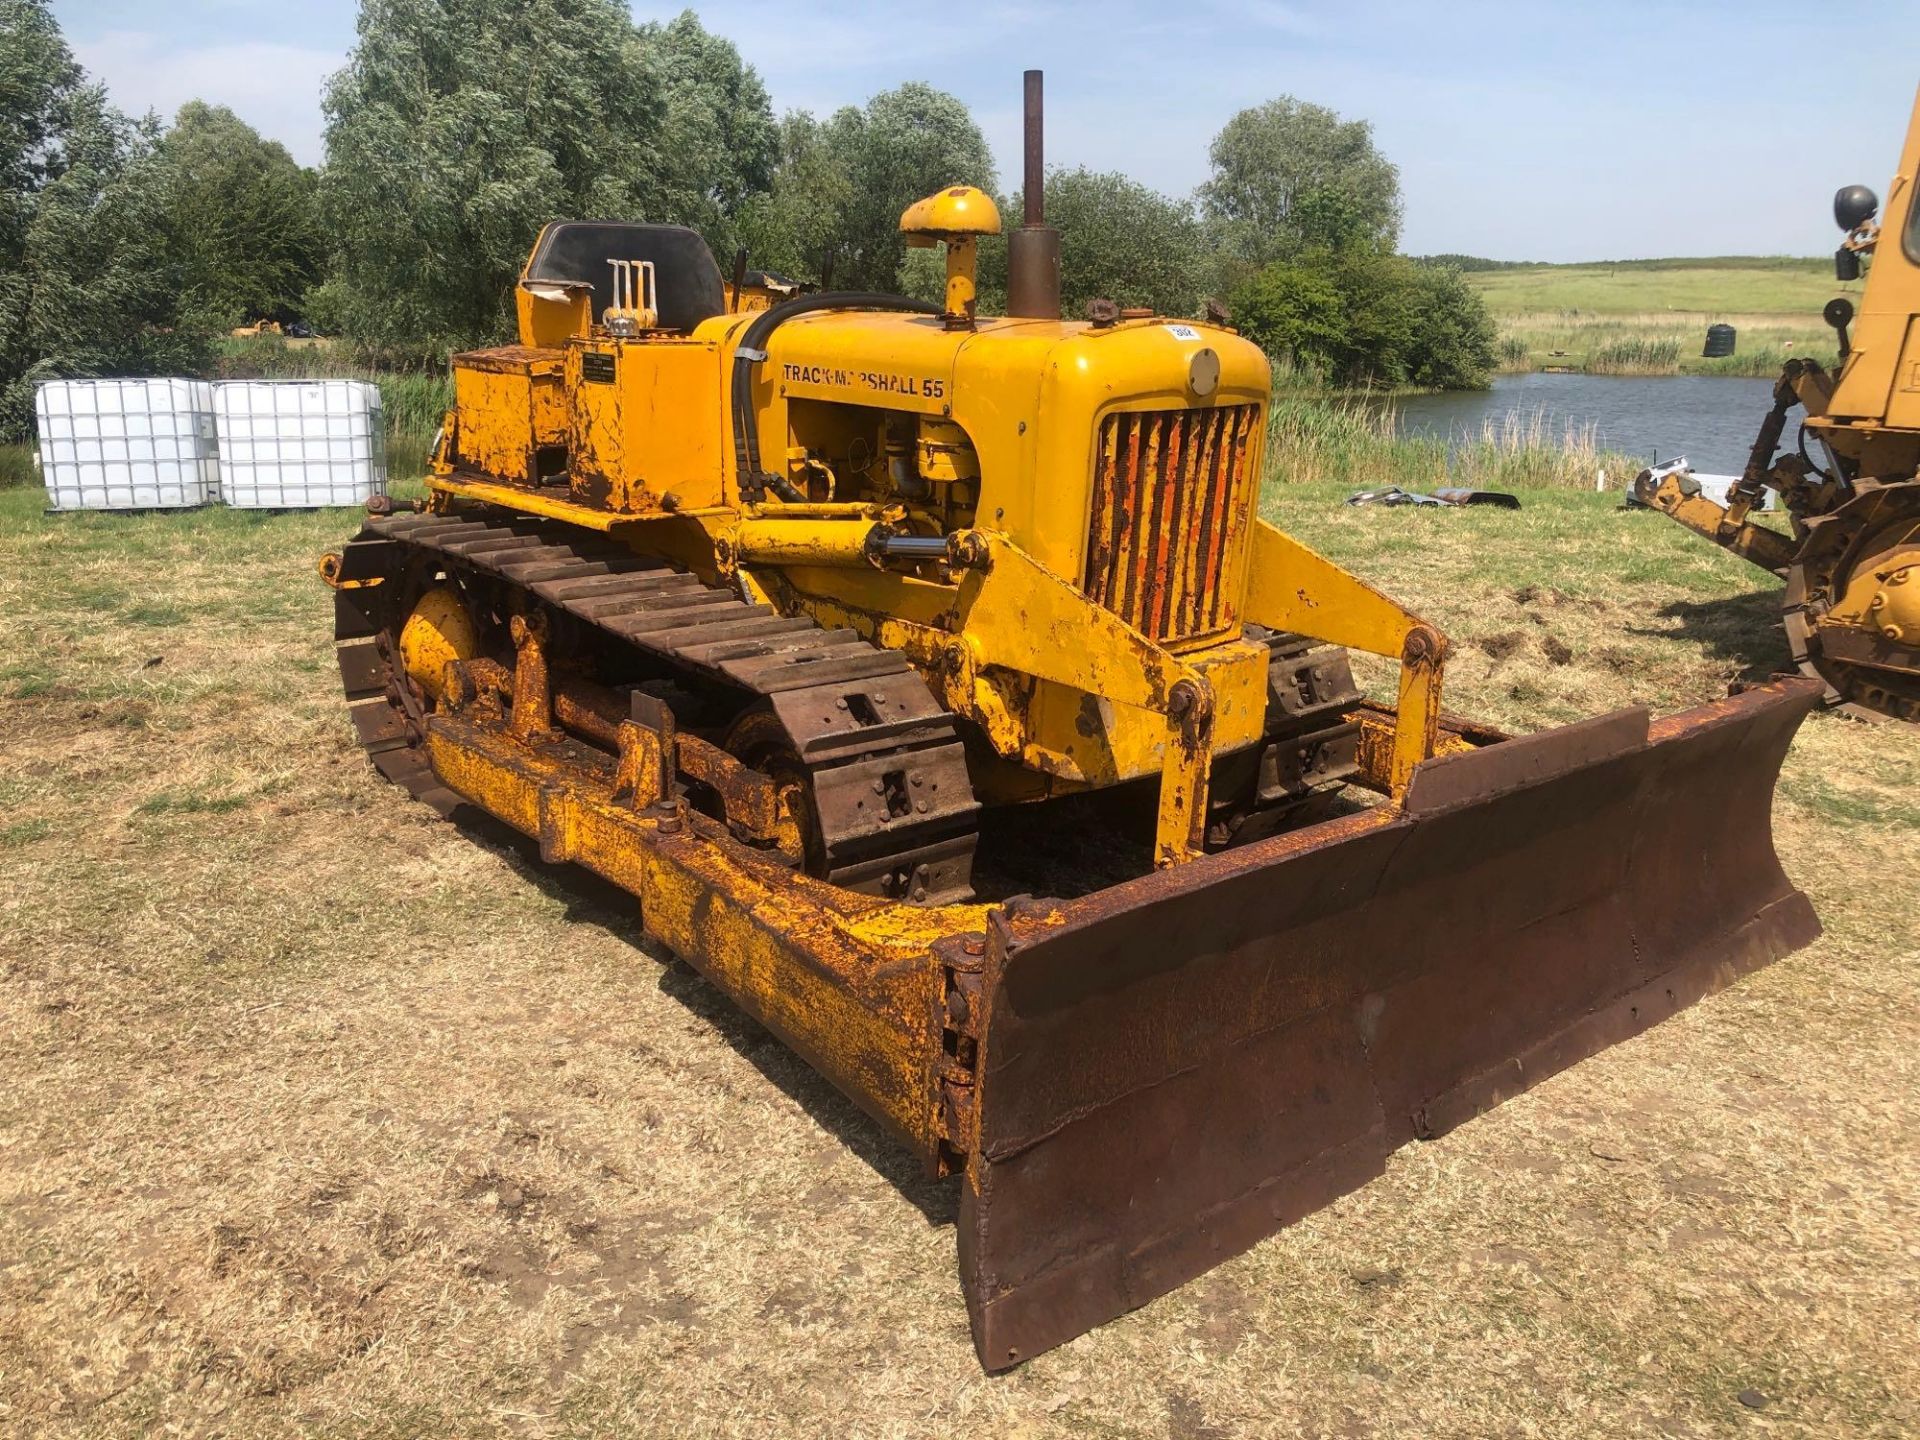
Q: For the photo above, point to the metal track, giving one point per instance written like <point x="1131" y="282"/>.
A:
<point x="884" y="762"/>
<point x="1311" y="745"/>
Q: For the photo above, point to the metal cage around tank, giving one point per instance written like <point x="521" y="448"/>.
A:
<point x="300" y="444"/>
<point x="128" y="444"/>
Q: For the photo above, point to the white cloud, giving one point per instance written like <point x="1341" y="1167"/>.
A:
<point x="274" y="88"/>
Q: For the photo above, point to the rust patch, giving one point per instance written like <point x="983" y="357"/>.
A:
<point x="1167" y="484"/>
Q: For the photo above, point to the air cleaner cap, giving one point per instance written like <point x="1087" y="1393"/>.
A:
<point x="957" y="210"/>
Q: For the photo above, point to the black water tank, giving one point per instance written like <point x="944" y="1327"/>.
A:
<point x="1719" y="342"/>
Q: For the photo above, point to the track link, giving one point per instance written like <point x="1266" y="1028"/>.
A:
<point x="1311" y="745"/>
<point x="884" y="763"/>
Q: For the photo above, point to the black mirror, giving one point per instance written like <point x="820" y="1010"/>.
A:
<point x="1846" y="264"/>
<point x="1853" y="206"/>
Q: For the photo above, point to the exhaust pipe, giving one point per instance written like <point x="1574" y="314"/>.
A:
<point x="1033" y="251"/>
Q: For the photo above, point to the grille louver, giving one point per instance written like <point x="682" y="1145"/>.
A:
<point x="1169" y="489"/>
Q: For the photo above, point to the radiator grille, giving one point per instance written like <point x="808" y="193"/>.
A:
<point x="1168" y="491"/>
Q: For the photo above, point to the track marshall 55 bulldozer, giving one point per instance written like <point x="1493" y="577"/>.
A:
<point x="934" y="686"/>
<point x="1851" y="486"/>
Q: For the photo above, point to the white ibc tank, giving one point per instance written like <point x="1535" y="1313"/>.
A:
<point x="297" y="444"/>
<point x="126" y="444"/>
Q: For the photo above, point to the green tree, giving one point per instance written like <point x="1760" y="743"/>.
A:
<point x="1453" y="335"/>
<point x="1295" y="313"/>
<point x="905" y="145"/>
<point x="1119" y="240"/>
<point x="1356" y="317"/>
<point x="793" y="227"/>
<point x="718" y="128"/>
<point x="1377" y="293"/>
<point x="39" y="82"/>
<point x="90" y="279"/>
<point x="842" y="183"/>
<point x="1288" y="175"/>
<point x="459" y="127"/>
<point x="244" y="215"/>
<point x="1327" y="218"/>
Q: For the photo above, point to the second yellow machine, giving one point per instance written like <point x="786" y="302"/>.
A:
<point x="1851" y="485"/>
<point x="935" y="686"/>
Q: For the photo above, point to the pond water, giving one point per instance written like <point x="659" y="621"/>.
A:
<point x="1710" y="419"/>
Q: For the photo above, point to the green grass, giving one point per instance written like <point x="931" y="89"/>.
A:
<point x="24" y="832"/>
<point x="1759" y="286"/>
<point x="190" y="802"/>
<point x="17" y="466"/>
<point x="1636" y="355"/>
<point x="1853" y="806"/>
<point x="1651" y="317"/>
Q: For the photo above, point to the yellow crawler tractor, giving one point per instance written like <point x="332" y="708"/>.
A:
<point x="934" y="686"/>
<point x="1851" y="486"/>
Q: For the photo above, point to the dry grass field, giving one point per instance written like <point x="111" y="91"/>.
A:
<point x="321" y="1118"/>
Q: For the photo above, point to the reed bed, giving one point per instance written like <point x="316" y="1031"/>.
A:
<point x="1657" y="342"/>
<point x="1523" y="450"/>
<point x="1354" y="442"/>
<point x="1348" y="441"/>
<point x="17" y="466"/>
<point x="1638" y="355"/>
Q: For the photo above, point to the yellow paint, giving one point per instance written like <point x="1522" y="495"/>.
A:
<point x="1885" y="346"/>
<point x="1290" y="587"/>
<point x="439" y="631"/>
<point x="1076" y="724"/>
<point x="550" y="315"/>
<point x="492" y="493"/>
<point x="784" y="543"/>
<point x="650" y="437"/>
<point x="844" y="979"/>
<point x="1868" y="417"/>
<point x="508" y="404"/>
<point x="1883" y="599"/>
<point x="986" y="429"/>
<point x="959" y="215"/>
<point x="1765" y="547"/>
<point x="750" y="299"/>
<point x="957" y="210"/>
<point x="946" y="454"/>
<point x="1017" y="615"/>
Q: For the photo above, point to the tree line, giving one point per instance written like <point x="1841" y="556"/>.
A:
<point x="459" y="127"/>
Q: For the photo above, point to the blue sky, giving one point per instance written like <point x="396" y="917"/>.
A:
<point x="1542" y="130"/>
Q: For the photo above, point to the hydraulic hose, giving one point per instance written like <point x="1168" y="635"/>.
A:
<point x="752" y="349"/>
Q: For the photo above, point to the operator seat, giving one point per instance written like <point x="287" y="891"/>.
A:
<point x="686" y="279"/>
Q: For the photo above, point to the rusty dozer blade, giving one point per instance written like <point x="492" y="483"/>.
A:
<point x="1174" y="1068"/>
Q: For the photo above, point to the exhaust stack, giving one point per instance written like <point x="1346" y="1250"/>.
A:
<point x="1033" y="251"/>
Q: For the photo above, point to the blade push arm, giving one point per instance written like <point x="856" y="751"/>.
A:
<point x="1021" y="616"/>
<point x="1290" y="587"/>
